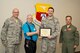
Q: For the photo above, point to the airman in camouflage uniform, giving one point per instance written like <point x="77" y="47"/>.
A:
<point x="48" y="44"/>
<point x="11" y="33"/>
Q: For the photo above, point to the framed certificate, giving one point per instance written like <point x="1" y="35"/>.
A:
<point x="44" y="32"/>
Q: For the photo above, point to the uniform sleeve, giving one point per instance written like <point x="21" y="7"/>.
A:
<point x="21" y="32"/>
<point x="25" y="28"/>
<point x="42" y="23"/>
<point x="61" y="37"/>
<point x="57" y="29"/>
<point x="4" y="32"/>
<point x="76" y="37"/>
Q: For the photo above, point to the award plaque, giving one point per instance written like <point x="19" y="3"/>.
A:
<point x="44" y="32"/>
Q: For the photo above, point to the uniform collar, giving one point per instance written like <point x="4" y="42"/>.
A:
<point x="69" y="26"/>
<point x="50" y="18"/>
<point x="29" y="23"/>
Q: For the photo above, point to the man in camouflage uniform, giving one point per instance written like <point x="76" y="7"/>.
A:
<point x="69" y="37"/>
<point x="48" y="44"/>
<point x="11" y="33"/>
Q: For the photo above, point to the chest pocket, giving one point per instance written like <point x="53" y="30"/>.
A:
<point x="11" y="25"/>
<point x="51" y="24"/>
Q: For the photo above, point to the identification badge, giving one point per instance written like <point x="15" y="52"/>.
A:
<point x="34" y="29"/>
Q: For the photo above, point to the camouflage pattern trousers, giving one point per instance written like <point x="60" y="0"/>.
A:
<point x="12" y="48"/>
<point x="48" y="46"/>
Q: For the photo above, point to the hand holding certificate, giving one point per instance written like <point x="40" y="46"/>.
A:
<point x="44" y="32"/>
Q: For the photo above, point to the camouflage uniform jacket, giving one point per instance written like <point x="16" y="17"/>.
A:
<point x="11" y="31"/>
<point x="52" y="23"/>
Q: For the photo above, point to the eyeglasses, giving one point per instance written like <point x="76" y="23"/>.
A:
<point x="15" y="12"/>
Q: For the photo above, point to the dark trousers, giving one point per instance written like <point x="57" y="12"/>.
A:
<point x="30" y="46"/>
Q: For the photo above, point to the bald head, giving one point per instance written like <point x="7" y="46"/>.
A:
<point x="15" y="12"/>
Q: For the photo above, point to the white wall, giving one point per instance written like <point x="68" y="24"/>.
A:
<point x="62" y="8"/>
